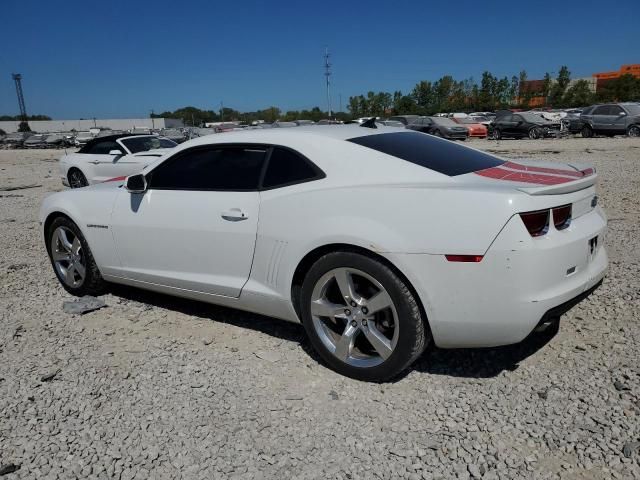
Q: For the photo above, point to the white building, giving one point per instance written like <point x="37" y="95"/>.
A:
<point x="84" y="125"/>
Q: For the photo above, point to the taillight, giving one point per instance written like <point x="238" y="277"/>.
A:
<point x="562" y="217"/>
<point x="537" y="222"/>
<point x="464" y="258"/>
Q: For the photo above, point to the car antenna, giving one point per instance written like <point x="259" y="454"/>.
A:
<point x="371" y="123"/>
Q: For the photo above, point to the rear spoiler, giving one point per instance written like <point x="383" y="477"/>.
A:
<point x="590" y="178"/>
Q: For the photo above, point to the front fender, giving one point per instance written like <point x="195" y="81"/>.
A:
<point x="90" y="209"/>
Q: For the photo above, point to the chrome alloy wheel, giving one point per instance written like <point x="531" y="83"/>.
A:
<point x="68" y="258"/>
<point x="355" y="317"/>
<point x="77" y="179"/>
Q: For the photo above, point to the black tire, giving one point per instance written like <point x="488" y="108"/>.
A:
<point x="93" y="283"/>
<point x="587" y="132"/>
<point x="497" y="134"/>
<point x="535" y="133"/>
<point x="437" y="133"/>
<point x="76" y="178"/>
<point x="634" y="131"/>
<point x="413" y="331"/>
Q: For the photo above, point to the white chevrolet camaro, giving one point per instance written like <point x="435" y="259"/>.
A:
<point x="379" y="240"/>
<point x="111" y="156"/>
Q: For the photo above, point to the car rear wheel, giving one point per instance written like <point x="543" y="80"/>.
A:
<point x="634" y="131"/>
<point x="587" y="132"/>
<point x="361" y="317"/>
<point x="496" y="134"/>
<point x="77" y="179"/>
<point x="72" y="260"/>
<point x="437" y="133"/>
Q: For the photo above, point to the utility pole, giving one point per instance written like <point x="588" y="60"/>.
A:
<point x="24" y="125"/>
<point x="340" y="95"/>
<point x="327" y="74"/>
<point x="153" y="122"/>
<point x="221" y="110"/>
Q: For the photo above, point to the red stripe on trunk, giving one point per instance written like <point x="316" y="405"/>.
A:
<point x="502" y="174"/>
<point x="115" y="179"/>
<point x="557" y="171"/>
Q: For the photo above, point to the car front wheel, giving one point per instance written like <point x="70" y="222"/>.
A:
<point x="634" y="131"/>
<point x="77" y="179"/>
<point x="72" y="259"/>
<point x="535" y="133"/>
<point x="361" y="317"/>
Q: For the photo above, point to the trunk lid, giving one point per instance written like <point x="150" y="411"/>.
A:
<point x="534" y="178"/>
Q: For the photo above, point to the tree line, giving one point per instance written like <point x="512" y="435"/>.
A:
<point x="443" y="95"/>
<point x="492" y="93"/>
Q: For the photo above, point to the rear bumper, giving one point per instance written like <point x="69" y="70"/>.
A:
<point x="501" y="299"/>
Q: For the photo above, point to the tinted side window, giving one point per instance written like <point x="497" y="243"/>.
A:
<point x="615" y="110"/>
<point x="505" y="118"/>
<point x="429" y="152"/>
<point x="230" y="168"/>
<point x="517" y="118"/>
<point x="287" y="167"/>
<point x="601" y="110"/>
<point x="103" y="148"/>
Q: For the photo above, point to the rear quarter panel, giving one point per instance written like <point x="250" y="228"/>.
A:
<point x="383" y="219"/>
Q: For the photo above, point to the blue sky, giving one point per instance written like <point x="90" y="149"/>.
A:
<point x="112" y="59"/>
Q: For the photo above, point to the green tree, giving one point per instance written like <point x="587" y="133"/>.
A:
<point x="622" y="89"/>
<point x="422" y="95"/>
<point x="524" y="92"/>
<point x="514" y="90"/>
<point x="578" y="95"/>
<point x="546" y="86"/>
<point x="354" y="107"/>
<point x="559" y="88"/>
<point x="486" y="97"/>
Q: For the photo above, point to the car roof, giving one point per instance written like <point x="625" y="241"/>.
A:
<point x="278" y="135"/>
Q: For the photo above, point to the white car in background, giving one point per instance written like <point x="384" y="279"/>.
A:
<point x="379" y="240"/>
<point x="107" y="157"/>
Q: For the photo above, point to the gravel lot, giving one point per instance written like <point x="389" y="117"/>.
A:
<point x="154" y="387"/>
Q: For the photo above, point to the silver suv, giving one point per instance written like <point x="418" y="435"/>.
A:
<point x="611" y="119"/>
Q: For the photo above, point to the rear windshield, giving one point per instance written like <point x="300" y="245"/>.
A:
<point x="443" y="156"/>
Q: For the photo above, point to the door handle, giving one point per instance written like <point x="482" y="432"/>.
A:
<point x="234" y="215"/>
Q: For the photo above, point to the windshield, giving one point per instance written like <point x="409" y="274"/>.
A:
<point x="467" y="120"/>
<point x="633" y="109"/>
<point x="533" y="118"/>
<point x="144" y="144"/>
<point x="445" y="122"/>
<point x="429" y="152"/>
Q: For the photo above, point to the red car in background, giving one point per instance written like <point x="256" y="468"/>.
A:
<point x="476" y="130"/>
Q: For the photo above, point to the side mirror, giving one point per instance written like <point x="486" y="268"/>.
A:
<point x="115" y="152"/>
<point x="136" y="183"/>
<point x="622" y="114"/>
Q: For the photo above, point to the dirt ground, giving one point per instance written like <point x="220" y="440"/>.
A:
<point x="156" y="387"/>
